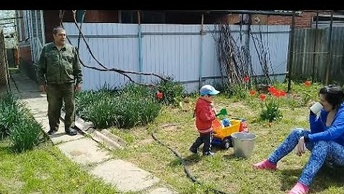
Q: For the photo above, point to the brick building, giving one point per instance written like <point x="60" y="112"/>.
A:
<point x="303" y="18"/>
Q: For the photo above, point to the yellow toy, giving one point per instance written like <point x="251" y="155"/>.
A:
<point x="222" y="134"/>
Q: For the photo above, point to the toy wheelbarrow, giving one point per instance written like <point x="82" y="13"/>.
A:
<point x="222" y="112"/>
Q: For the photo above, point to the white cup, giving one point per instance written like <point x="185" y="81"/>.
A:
<point x="316" y="107"/>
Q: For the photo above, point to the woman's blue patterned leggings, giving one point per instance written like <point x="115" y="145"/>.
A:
<point x="320" y="151"/>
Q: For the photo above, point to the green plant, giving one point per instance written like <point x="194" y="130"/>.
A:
<point x="85" y="100"/>
<point x="270" y="107"/>
<point x="9" y="113"/>
<point x="129" y="106"/>
<point x="171" y="92"/>
<point x="16" y="123"/>
<point x="26" y="134"/>
<point x="134" y="111"/>
<point x="236" y="91"/>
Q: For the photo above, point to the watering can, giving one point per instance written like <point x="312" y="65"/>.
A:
<point x="222" y="112"/>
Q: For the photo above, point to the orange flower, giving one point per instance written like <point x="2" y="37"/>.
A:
<point x="252" y="92"/>
<point x="308" y="83"/>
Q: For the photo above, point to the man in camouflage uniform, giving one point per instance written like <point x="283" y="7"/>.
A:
<point x="59" y="75"/>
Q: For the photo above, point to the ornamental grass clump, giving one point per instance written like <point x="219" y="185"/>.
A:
<point x="9" y="113"/>
<point x="26" y="134"/>
<point x="18" y="125"/>
<point x="129" y="106"/>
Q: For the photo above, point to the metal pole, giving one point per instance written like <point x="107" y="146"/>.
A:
<point x="140" y="43"/>
<point x="201" y="54"/>
<point x="314" y="47"/>
<point x="329" y="51"/>
<point x="291" y="50"/>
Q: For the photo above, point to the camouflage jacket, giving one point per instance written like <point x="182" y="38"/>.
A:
<point x="59" y="67"/>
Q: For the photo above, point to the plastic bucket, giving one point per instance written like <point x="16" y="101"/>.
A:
<point x="243" y="144"/>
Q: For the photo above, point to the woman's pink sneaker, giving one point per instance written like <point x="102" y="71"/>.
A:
<point x="265" y="165"/>
<point x="299" y="188"/>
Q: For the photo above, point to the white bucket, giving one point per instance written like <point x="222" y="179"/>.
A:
<point x="243" y="144"/>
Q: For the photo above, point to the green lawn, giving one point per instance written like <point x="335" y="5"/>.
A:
<point x="174" y="127"/>
<point x="44" y="170"/>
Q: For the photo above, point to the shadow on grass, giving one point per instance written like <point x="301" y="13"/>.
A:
<point x="326" y="177"/>
<point x="232" y="156"/>
<point x="188" y="161"/>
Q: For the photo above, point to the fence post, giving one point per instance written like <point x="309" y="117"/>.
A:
<point x="329" y="63"/>
<point x="291" y="50"/>
<point x="3" y="60"/>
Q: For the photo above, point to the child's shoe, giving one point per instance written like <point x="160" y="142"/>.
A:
<point x="299" y="188"/>
<point x="266" y="164"/>
<point x="193" y="150"/>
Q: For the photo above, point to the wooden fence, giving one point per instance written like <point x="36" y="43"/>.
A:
<point x="318" y="56"/>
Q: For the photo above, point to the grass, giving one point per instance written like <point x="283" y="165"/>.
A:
<point x="174" y="127"/>
<point x="45" y="170"/>
<point x="30" y="164"/>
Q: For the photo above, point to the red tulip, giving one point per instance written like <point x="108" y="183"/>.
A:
<point x="246" y="79"/>
<point x="252" y="92"/>
<point x="272" y="89"/>
<point x="308" y="83"/>
<point x="159" y="95"/>
<point x="283" y="93"/>
<point x="262" y="97"/>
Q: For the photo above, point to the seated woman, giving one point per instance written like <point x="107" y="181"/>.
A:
<point x="325" y="139"/>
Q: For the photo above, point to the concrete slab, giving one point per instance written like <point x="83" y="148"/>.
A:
<point x="84" y="151"/>
<point x="125" y="176"/>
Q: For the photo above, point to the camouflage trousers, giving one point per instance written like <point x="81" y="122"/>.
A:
<point x="57" y="94"/>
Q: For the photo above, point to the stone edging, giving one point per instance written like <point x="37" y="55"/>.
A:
<point x="103" y="136"/>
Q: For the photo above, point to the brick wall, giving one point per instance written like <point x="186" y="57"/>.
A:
<point x="304" y="20"/>
<point x="26" y="65"/>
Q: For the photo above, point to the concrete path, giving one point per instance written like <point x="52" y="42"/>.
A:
<point x="125" y="176"/>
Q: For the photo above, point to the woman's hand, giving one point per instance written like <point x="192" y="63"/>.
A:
<point x="300" y="147"/>
<point x="311" y="103"/>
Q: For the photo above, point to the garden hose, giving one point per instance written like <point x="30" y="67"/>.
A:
<point x="186" y="170"/>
